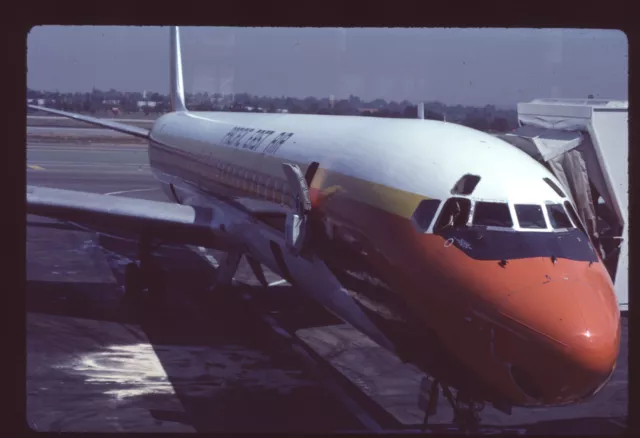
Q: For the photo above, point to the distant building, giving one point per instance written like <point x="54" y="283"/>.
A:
<point x="148" y="103"/>
<point x="111" y="102"/>
<point x="39" y="102"/>
<point x="282" y="110"/>
<point x="371" y="110"/>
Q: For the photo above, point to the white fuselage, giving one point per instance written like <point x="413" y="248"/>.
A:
<point x="391" y="274"/>
<point x="420" y="157"/>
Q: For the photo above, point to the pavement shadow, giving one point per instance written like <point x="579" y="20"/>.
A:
<point x="96" y="301"/>
<point x="223" y="361"/>
<point x="220" y="360"/>
<point x="51" y="225"/>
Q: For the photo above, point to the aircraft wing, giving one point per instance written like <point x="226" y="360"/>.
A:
<point x="120" y="127"/>
<point x="168" y="222"/>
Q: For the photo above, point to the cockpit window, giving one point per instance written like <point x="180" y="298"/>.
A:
<point x="555" y="187"/>
<point x="530" y="216"/>
<point x="465" y="185"/>
<point x="425" y="213"/>
<point x="558" y="217"/>
<point x="455" y="214"/>
<point x="574" y="216"/>
<point x="492" y="214"/>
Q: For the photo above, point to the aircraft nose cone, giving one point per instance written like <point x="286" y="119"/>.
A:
<point x="573" y="339"/>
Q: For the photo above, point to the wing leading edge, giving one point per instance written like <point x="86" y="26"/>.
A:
<point x="120" y="127"/>
<point x="168" y="222"/>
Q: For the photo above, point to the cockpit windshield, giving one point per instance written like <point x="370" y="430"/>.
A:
<point x="457" y="211"/>
<point x="487" y="230"/>
<point x="558" y="217"/>
<point x="574" y="217"/>
<point x="530" y="216"/>
<point x="492" y="214"/>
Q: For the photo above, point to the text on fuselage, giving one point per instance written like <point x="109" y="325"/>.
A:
<point x="251" y="139"/>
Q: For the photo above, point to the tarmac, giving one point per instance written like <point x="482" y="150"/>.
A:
<point x="246" y="360"/>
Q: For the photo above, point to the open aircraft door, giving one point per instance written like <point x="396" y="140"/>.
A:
<point x="296" y="226"/>
<point x="574" y="150"/>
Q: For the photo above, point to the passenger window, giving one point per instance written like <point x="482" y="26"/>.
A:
<point x="555" y="187"/>
<point x="276" y="190"/>
<point x="492" y="214"/>
<point x="257" y="185"/>
<point x="465" y="185"/>
<point x="262" y="190"/>
<point x="281" y="197"/>
<point x="530" y="216"/>
<point x="558" y="217"/>
<point x="425" y="212"/>
<point x="455" y="214"/>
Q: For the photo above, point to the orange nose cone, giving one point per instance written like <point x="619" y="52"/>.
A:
<point x="574" y="337"/>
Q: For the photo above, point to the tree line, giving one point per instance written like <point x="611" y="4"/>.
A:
<point x="487" y="118"/>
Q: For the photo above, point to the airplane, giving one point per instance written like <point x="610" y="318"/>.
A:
<point x="447" y="246"/>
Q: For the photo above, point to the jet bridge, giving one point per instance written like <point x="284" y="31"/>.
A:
<point x="585" y="144"/>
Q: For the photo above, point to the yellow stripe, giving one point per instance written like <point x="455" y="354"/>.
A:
<point x="34" y="167"/>
<point x="328" y="182"/>
<point x="386" y="198"/>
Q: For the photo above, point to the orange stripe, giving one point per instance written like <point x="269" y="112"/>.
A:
<point x="442" y="285"/>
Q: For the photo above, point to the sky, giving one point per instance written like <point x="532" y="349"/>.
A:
<point x="454" y="66"/>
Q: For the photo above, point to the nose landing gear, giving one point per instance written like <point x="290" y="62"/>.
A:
<point x="466" y="412"/>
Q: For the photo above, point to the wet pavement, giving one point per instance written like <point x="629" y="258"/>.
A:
<point x="187" y="358"/>
<point x="245" y="360"/>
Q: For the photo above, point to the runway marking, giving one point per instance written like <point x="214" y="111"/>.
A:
<point x="61" y="147"/>
<point x="92" y="146"/>
<point x="104" y="146"/>
<point x="211" y="259"/>
<point x="35" y="167"/>
<point x="84" y="164"/>
<point x="278" y="282"/>
<point x="82" y="151"/>
<point x="133" y="190"/>
<point x="32" y="117"/>
<point x="298" y="346"/>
